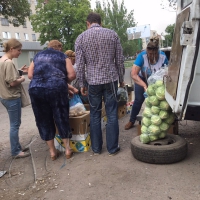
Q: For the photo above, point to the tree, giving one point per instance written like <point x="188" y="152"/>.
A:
<point x="169" y="36"/>
<point x="116" y="17"/>
<point x="15" y="10"/>
<point x="170" y="5"/>
<point x="60" y="20"/>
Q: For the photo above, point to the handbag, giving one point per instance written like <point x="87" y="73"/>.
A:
<point x="25" y="101"/>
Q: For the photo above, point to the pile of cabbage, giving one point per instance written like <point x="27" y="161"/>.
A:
<point x="157" y="116"/>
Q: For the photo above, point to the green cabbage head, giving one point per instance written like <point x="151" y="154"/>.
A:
<point x="150" y="90"/>
<point x="153" y="100"/>
<point x="147" y="112"/>
<point x="162" y="135"/>
<point x="159" y="83"/>
<point x="155" y="110"/>
<point x="156" y="120"/>
<point x="153" y="137"/>
<point x="153" y="130"/>
<point x="164" y="126"/>
<point x="164" y="105"/>
<point x="160" y="92"/>
<point x="163" y="114"/>
<point x="144" y="138"/>
<point x="146" y="121"/>
<point x="144" y="129"/>
<point x="170" y="119"/>
<point x="147" y="103"/>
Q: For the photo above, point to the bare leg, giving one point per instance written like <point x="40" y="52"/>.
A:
<point x="68" y="150"/>
<point x="52" y="148"/>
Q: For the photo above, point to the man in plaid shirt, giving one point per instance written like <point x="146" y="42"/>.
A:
<point x="100" y="65"/>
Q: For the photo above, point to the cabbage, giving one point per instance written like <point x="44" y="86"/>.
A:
<point x="144" y="138"/>
<point x="163" y="114"/>
<point x="160" y="92"/>
<point x="156" y="120"/>
<point x="162" y="135"/>
<point x="153" y="137"/>
<point x="147" y="103"/>
<point x="146" y="121"/>
<point x="144" y="129"/>
<point x="150" y="90"/>
<point x="159" y="83"/>
<point x="164" y="105"/>
<point x="164" y="126"/>
<point x="170" y="119"/>
<point x="147" y="112"/>
<point x="153" y="130"/>
<point x="153" y="100"/>
<point x="155" y="110"/>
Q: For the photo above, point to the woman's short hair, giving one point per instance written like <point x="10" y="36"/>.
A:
<point x="11" y="43"/>
<point x="153" y="43"/>
<point x="94" y="18"/>
<point x="70" y="54"/>
<point x="55" y="44"/>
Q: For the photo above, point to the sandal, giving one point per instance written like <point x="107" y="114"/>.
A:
<point x="55" y="156"/>
<point x="25" y="154"/>
<point x="68" y="156"/>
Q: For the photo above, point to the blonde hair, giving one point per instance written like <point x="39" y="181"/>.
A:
<point x="55" y="44"/>
<point x="154" y="42"/>
<point x="11" y="43"/>
<point x="71" y="54"/>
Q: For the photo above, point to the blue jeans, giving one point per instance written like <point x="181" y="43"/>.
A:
<point x="13" y="107"/>
<point x="139" y="99"/>
<point x="108" y="92"/>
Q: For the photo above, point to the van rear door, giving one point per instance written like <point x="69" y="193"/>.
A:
<point x="184" y="65"/>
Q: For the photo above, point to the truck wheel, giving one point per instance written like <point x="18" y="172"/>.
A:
<point x="171" y="149"/>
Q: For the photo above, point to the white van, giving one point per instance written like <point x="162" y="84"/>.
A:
<point x="183" y="80"/>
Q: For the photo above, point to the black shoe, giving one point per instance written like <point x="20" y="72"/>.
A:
<point x="116" y="152"/>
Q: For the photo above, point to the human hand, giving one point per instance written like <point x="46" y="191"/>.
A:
<point x="121" y="84"/>
<point x="24" y="68"/>
<point x="22" y="78"/>
<point x="84" y="91"/>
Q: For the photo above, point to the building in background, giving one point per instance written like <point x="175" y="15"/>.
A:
<point x="25" y="34"/>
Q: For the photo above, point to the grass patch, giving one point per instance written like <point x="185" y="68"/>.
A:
<point x="128" y="63"/>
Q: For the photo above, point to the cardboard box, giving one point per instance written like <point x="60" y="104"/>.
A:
<point x="103" y="111"/>
<point x="80" y="124"/>
<point x="79" y="143"/>
<point x="130" y="96"/>
<point x="122" y="110"/>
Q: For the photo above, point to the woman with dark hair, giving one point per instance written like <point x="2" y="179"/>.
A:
<point x="50" y="72"/>
<point x="146" y="63"/>
<point x="10" y="93"/>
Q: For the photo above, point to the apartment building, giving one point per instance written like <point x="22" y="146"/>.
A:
<point x="25" y="34"/>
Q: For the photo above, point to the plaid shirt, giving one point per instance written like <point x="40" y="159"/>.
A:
<point x="99" y="56"/>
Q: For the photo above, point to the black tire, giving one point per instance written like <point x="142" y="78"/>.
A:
<point x="171" y="149"/>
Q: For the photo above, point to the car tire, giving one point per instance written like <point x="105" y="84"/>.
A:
<point x="171" y="149"/>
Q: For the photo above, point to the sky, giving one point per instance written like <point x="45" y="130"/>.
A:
<point x="149" y="12"/>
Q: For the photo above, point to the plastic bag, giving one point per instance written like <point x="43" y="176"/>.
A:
<point x="76" y="107"/>
<point x="157" y="75"/>
<point x="122" y="94"/>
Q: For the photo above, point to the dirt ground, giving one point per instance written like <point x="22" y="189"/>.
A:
<point x="101" y="177"/>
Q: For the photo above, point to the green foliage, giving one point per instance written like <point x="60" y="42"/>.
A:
<point x="15" y="10"/>
<point x="169" y="36"/>
<point x="116" y="17"/>
<point x="60" y="20"/>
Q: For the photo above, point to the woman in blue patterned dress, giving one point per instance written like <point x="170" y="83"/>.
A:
<point x="50" y="72"/>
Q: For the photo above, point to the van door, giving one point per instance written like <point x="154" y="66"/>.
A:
<point x="184" y="67"/>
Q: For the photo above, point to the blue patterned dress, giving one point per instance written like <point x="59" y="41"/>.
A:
<point x="48" y="91"/>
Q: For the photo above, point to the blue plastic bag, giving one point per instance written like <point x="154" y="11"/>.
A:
<point x="74" y="100"/>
